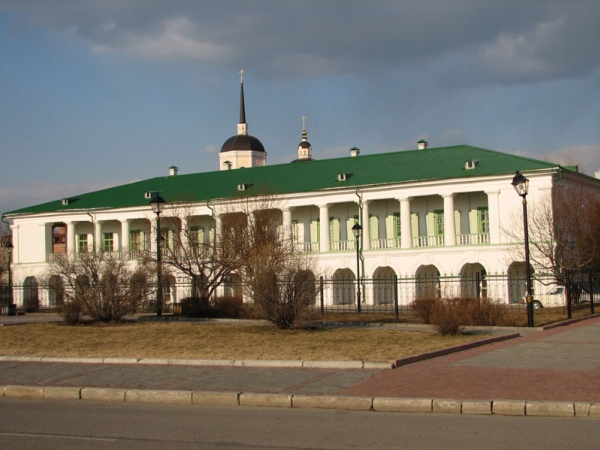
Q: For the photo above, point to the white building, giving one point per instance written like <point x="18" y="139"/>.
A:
<point x="424" y="213"/>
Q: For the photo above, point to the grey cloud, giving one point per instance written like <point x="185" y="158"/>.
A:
<point x="459" y="43"/>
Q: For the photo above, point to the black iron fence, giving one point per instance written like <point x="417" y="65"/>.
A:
<point x="383" y="295"/>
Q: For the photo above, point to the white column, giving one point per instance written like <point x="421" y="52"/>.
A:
<point x="125" y="227"/>
<point x="406" y="229"/>
<point x="71" y="245"/>
<point x="324" y="227"/>
<point x="98" y="235"/>
<point x="184" y="233"/>
<point x="287" y="224"/>
<point x="449" y="226"/>
<point x="366" y="234"/>
<point x="16" y="243"/>
<point x="494" y="215"/>
<point x="218" y="224"/>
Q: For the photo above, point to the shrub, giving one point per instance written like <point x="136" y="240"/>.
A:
<point x="230" y="307"/>
<point x="70" y="311"/>
<point x="447" y="316"/>
<point x="423" y="307"/>
<point x="196" y="307"/>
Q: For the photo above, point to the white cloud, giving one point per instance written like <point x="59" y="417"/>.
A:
<point x="175" y="39"/>
<point x="210" y="149"/>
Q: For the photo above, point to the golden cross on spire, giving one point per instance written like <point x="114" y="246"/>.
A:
<point x="303" y="123"/>
<point x="241" y="76"/>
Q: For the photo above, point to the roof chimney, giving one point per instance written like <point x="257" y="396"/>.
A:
<point x="597" y="174"/>
<point x="354" y="151"/>
<point x="173" y="171"/>
<point x="422" y="144"/>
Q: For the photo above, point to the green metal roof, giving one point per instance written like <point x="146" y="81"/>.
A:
<point x="383" y="168"/>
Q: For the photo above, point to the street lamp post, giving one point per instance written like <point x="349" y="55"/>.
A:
<point x="11" y="306"/>
<point x="158" y="203"/>
<point x="521" y="185"/>
<point x="357" y="229"/>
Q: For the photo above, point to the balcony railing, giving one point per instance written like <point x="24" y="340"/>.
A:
<point x="342" y="246"/>
<point x="428" y="241"/>
<point x="307" y="247"/>
<point x="385" y="243"/>
<point x="472" y="239"/>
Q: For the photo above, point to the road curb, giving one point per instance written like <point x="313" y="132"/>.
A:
<point x="447" y="351"/>
<point x="377" y="404"/>
<point x="269" y="363"/>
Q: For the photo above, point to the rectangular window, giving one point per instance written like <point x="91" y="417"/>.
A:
<point x="107" y="242"/>
<point x="295" y="231"/>
<point x="59" y="238"/>
<point x="196" y="235"/>
<point x="166" y="238"/>
<point x="136" y="241"/>
<point x="397" y="226"/>
<point x="334" y="229"/>
<point x="483" y="221"/>
<point x="438" y="222"/>
<point x="82" y="243"/>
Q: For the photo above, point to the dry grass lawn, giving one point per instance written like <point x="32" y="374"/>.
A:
<point x="217" y="341"/>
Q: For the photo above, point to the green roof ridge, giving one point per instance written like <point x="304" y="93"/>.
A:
<point x="317" y="175"/>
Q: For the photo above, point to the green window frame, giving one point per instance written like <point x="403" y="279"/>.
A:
<point x="438" y="222"/>
<point x="82" y="243"/>
<point x="166" y="237"/>
<point x="397" y="226"/>
<point x="483" y="221"/>
<point x="108" y="242"/>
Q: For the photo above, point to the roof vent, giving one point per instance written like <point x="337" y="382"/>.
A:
<point x="597" y="174"/>
<point x="227" y="164"/>
<point x="422" y="144"/>
<point x="149" y="194"/>
<point x="342" y="176"/>
<point x="173" y="170"/>
<point x="244" y="186"/>
<point x="471" y="164"/>
<point x="65" y="201"/>
<point x="354" y="151"/>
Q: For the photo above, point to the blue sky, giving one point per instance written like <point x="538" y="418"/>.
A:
<point x="100" y="93"/>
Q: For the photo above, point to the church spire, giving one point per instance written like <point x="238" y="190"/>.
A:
<point x="304" y="148"/>
<point x="242" y="126"/>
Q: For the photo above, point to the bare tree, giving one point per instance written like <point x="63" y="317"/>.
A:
<point x="280" y="280"/>
<point x="563" y="232"/>
<point x="98" y="284"/>
<point x="202" y="257"/>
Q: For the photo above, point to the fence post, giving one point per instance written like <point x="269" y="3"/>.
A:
<point x="591" y="292"/>
<point x="568" y="286"/>
<point x="321" y="293"/>
<point x="396" y="295"/>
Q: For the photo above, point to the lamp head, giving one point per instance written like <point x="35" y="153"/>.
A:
<point x="356" y="229"/>
<point x="157" y="203"/>
<point x="521" y="184"/>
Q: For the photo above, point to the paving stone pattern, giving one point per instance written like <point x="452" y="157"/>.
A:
<point x="557" y="365"/>
<point x="561" y="364"/>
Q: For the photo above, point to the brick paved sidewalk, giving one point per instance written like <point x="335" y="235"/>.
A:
<point x="560" y="364"/>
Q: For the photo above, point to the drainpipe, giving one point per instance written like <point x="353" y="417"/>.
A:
<point x="362" y="237"/>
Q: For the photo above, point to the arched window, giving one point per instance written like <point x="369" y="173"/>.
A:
<point x="344" y="287"/>
<point x="473" y="282"/>
<point x="56" y="291"/>
<point x="384" y="280"/>
<point x="517" y="282"/>
<point x="233" y="286"/>
<point x="169" y="288"/>
<point x="427" y="282"/>
<point x="30" y="294"/>
<point x="305" y="287"/>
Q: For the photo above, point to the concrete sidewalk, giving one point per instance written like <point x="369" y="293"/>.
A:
<point x="554" y="372"/>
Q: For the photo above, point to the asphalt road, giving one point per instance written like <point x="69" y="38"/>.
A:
<point x="35" y="424"/>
